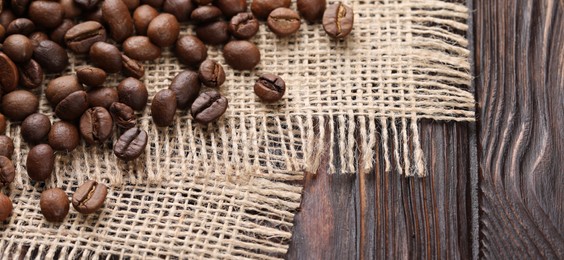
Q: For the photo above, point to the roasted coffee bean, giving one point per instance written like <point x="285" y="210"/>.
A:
<point x="95" y="15"/>
<point x="6" y="207"/>
<point x="54" y="204"/>
<point x="186" y="86"/>
<point x="208" y="107"/>
<point x="163" y="108"/>
<point x="213" y="33"/>
<point x="118" y="18"/>
<point x="6" y="17"/>
<point x="87" y="4"/>
<point x="72" y="106"/>
<point x="241" y="55"/>
<point x="133" y="93"/>
<point x="181" y="9"/>
<point x="59" y="88"/>
<point x="46" y="14"/>
<point x="3" y="124"/>
<point x="311" y="10"/>
<point x="338" y="20"/>
<point x="205" y="14"/>
<point x="31" y="74"/>
<point x="141" y="48"/>
<point x="71" y="9"/>
<point x="6" y="146"/>
<point x="270" y="88"/>
<point x="142" y="16"/>
<point x="37" y="37"/>
<point x="96" y="125"/>
<point x="58" y="35"/>
<point x="154" y="3"/>
<point x="243" y="26"/>
<point x="132" y="4"/>
<point x="35" y="128"/>
<point x="262" y="8"/>
<point x="51" y="56"/>
<point x="163" y="30"/>
<point x="91" y="76"/>
<point x="7" y="171"/>
<point x="123" y="115"/>
<point x="9" y="75"/>
<point x="283" y="21"/>
<point x="191" y="51"/>
<point x="131" y="144"/>
<point x="19" y="104"/>
<point x="63" y="136"/>
<point x="131" y="67"/>
<point x="18" y="48"/>
<point x="22" y="26"/>
<point x="231" y="7"/>
<point x="19" y="7"/>
<point x="40" y="162"/>
<point x="89" y="197"/>
<point x="106" y="56"/>
<point x="211" y="74"/>
<point x="102" y="97"/>
<point x="2" y="33"/>
<point x="82" y="36"/>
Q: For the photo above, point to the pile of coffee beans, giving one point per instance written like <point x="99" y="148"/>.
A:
<point x="117" y="36"/>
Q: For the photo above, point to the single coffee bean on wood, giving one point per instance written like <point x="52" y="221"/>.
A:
<point x="283" y="21"/>
<point x="87" y="4"/>
<point x="262" y="8"/>
<point x="22" y="26"/>
<point x="58" y="35"/>
<point x="163" y="108"/>
<point x="106" y="56"/>
<point x="59" y="88"/>
<point x="311" y="10"/>
<point x="35" y="128"/>
<point x="131" y="144"/>
<point x="181" y="9"/>
<point x="213" y="33"/>
<point x="9" y="75"/>
<point x="3" y="124"/>
<point x="18" y="47"/>
<point x="208" y="107"/>
<point x="133" y="93"/>
<point x="163" y="30"/>
<point x="31" y="74"/>
<point x="231" y="7"/>
<point x="72" y="106"/>
<point x="54" y="204"/>
<point x="269" y="87"/>
<point x="243" y="26"/>
<point x="205" y="14"/>
<point x="46" y="14"/>
<point x="141" y="48"/>
<point x="131" y="67"/>
<point x="91" y="76"/>
<point x="241" y="55"/>
<point x="338" y="20"/>
<point x="40" y="162"/>
<point x="123" y="115"/>
<point x="19" y="104"/>
<point x="102" y="97"/>
<point x="211" y="74"/>
<point x="132" y="4"/>
<point x="63" y="136"/>
<point x="118" y="18"/>
<point x="7" y="171"/>
<point x="186" y="86"/>
<point x="6" y="207"/>
<point x="89" y="197"/>
<point x="142" y="16"/>
<point x="51" y="56"/>
<point x="6" y="146"/>
<point x="71" y="9"/>
<point x="191" y="51"/>
<point x="96" y="125"/>
<point x="82" y="36"/>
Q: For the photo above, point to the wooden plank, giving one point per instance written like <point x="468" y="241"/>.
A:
<point x="519" y="57"/>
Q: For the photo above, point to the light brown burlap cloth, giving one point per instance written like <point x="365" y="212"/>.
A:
<point x="231" y="189"/>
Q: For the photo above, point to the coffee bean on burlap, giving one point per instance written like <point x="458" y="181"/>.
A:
<point x="186" y="86"/>
<point x="142" y="16"/>
<point x="283" y="21"/>
<point x="40" y="162"/>
<point x="54" y="204"/>
<point x="181" y="9"/>
<point x="18" y="47"/>
<point x="31" y="74"/>
<point x="118" y="18"/>
<point x="96" y="125"/>
<point x="191" y="51"/>
<point x="131" y="144"/>
<point x="311" y="10"/>
<point x="243" y="26"/>
<point x="213" y="33"/>
<point x="9" y="75"/>
<point x="269" y="87"/>
<point x="91" y="76"/>
<point x="241" y="55"/>
<point x="3" y="124"/>
<point x="163" y="108"/>
<point x="106" y="56"/>
<point x="63" y="136"/>
<point x="231" y="7"/>
<point x="208" y="107"/>
<point x="19" y="104"/>
<point x="6" y="207"/>
<point x="7" y="171"/>
<point x="123" y="115"/>
<point x="205" y="14"/>
<point x="46" y="14"/>
<point x="131" y="67"/>
<point x="72" y="106"/>
<point x="102" y="97"/>
<point x="35" y="128"/>
<point x="163" y="30"/>
<point x="211" y="74"/>
<point x="59" y="88"/>
<point x="89" y="197"/>
<point x="262" y="8"/>
<point x="58" y="35"/>
<point x="51" y="56"/>
<point x="133" y="93"/>
<point x="141" y="48"/>
<point x="82" y="36"/>
<point x="338" y="20"/>
<point x="6" y="146"/>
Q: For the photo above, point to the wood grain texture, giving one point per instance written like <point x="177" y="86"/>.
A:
<point x="519" y="58"/>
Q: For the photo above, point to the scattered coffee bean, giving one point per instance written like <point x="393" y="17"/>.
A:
<point x="241" y="55"/>
<point x="106" y="56"/>
<point x="72" y="106"/>
<point x="71" y="9"/>
<point x="31" y="74"/>
<point x="51" y="56"/>
<point x="6" y="146"/>
<point x="123" y="115"/>
<point x="6" y="207"/>
<point x="243" y="26"/>
<point x="163" y="108"/>
<point x="163" y="30"/>
<point x="40" y="162"/>
<point x="191" y="51"/>
<point x="3" y="124"/>
<point x="87" y="4"/>
<point x="270" y="88"/>
<point x="118" y="18"/>
<point x="9" y="75"/>
<point x="19" y="104"/>
<point x="54" y="204"/>
<point x="311" y="10"/>
<point x="213" y="33"/>
<point x="102" y="97"/>
<point x="63" y="136"/>
<point x="205" y="14"/>
<point x="35" y="128"/>
<point x="91" y="76"/>
<point x="18" y="48"/>
<point x="58" y="35"/>
<point x="338" y="20"/>
<point x="82" y="36"/>
<point x="59" y="88"/>
<point x="141" y="48"/>
<point x="181" y="9"/>
<point x="133" y="93"/>
<point x="211" y="74"/>
<point x="231" y="7"/>
<point x="208" y="107"/>
<point x="142" y="16"/>
<point x="186" y="86"/>
<point x="283" y="21"/>
<point x="46" y="14"/>
<point x="131" y="144"/>
<point x="7" y="171"/>
<point x="132" y="4"/>
<point x="154" y="3"/>
<point x="131" y="67"/>
<point x="22" y="26"/>
<point x="262" y="8"/>
<point x="96" y="125"/>
<point x="89" y="197"/>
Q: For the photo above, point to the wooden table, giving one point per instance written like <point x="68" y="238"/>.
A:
<point x="496" y="188"/>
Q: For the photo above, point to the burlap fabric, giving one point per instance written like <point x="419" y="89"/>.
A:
<point x="231" y="189"/>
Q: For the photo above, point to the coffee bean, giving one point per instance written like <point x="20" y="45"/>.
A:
<point x="91" y="76"/>
<point x="102" y="97"/>
<point x="18" y="48"/>
<point x="59" y="88"/>
<point x="106" y="56"/>
<point x="142" y="16"/>
<point x="133" y="93"/>
<point x="31" y="74"/>
<point x="19" y="7"/>
<point x="87" y="4"/>
<point x="9" y="75"/>
<point x="283" y="21"/>
<point x="338" y="20"/>
<point x="22" y="26"/>
<point x="181" y="9"/>
<point x="89" y="197"/>
<point x="241" y="55"/>
<point x="37" y="37"/>
<point x="72" y="106"/>
<point x="51" y="56"/>
<point x="58" y="35"/>
<point x="163" y="30"/>
<point x="131" y="144"/>
<point x="123" y="115"/>
<point x="243" y="26"/>
<point x="211" y="74"/>
<point x="19" y="104"/>
<point x="95" y="15"/>
<point x="141" y="48"/>
<point x="231" y="7"/>
<point x="262" y="8"/>
<point x="6" y="207"/>
<point x="82" y="36"/>
<point x="118" y="18"/>
<point x="63" y="136"/>
<point x="154" y="3"/>
<point x="40" y="162"/>
<point x="205" y="14"/>
<point x="6" y="17"/>
<point x="7" y="171"/>
<point x="213" y="33"/>
<point x="2" y="33"/>
<point x="96" y="125"/>
<point x="54" y="204"/>
<point x="311" y="10"/>
<point x="132" y="4"/>
<point x="191" y="51"/>
<point x="3" y="124"/>
<point x="131" y="67"/>
<point x="35" y="128"/>
<point x="186" y="86"/>
<point x="269" y="87"/>
<point x="208" y="107"/>
<point x="46" y="14"/>
<point x="163" y="108"/>
<point x="6" y="146"/>
<point x="71" y="9"/>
